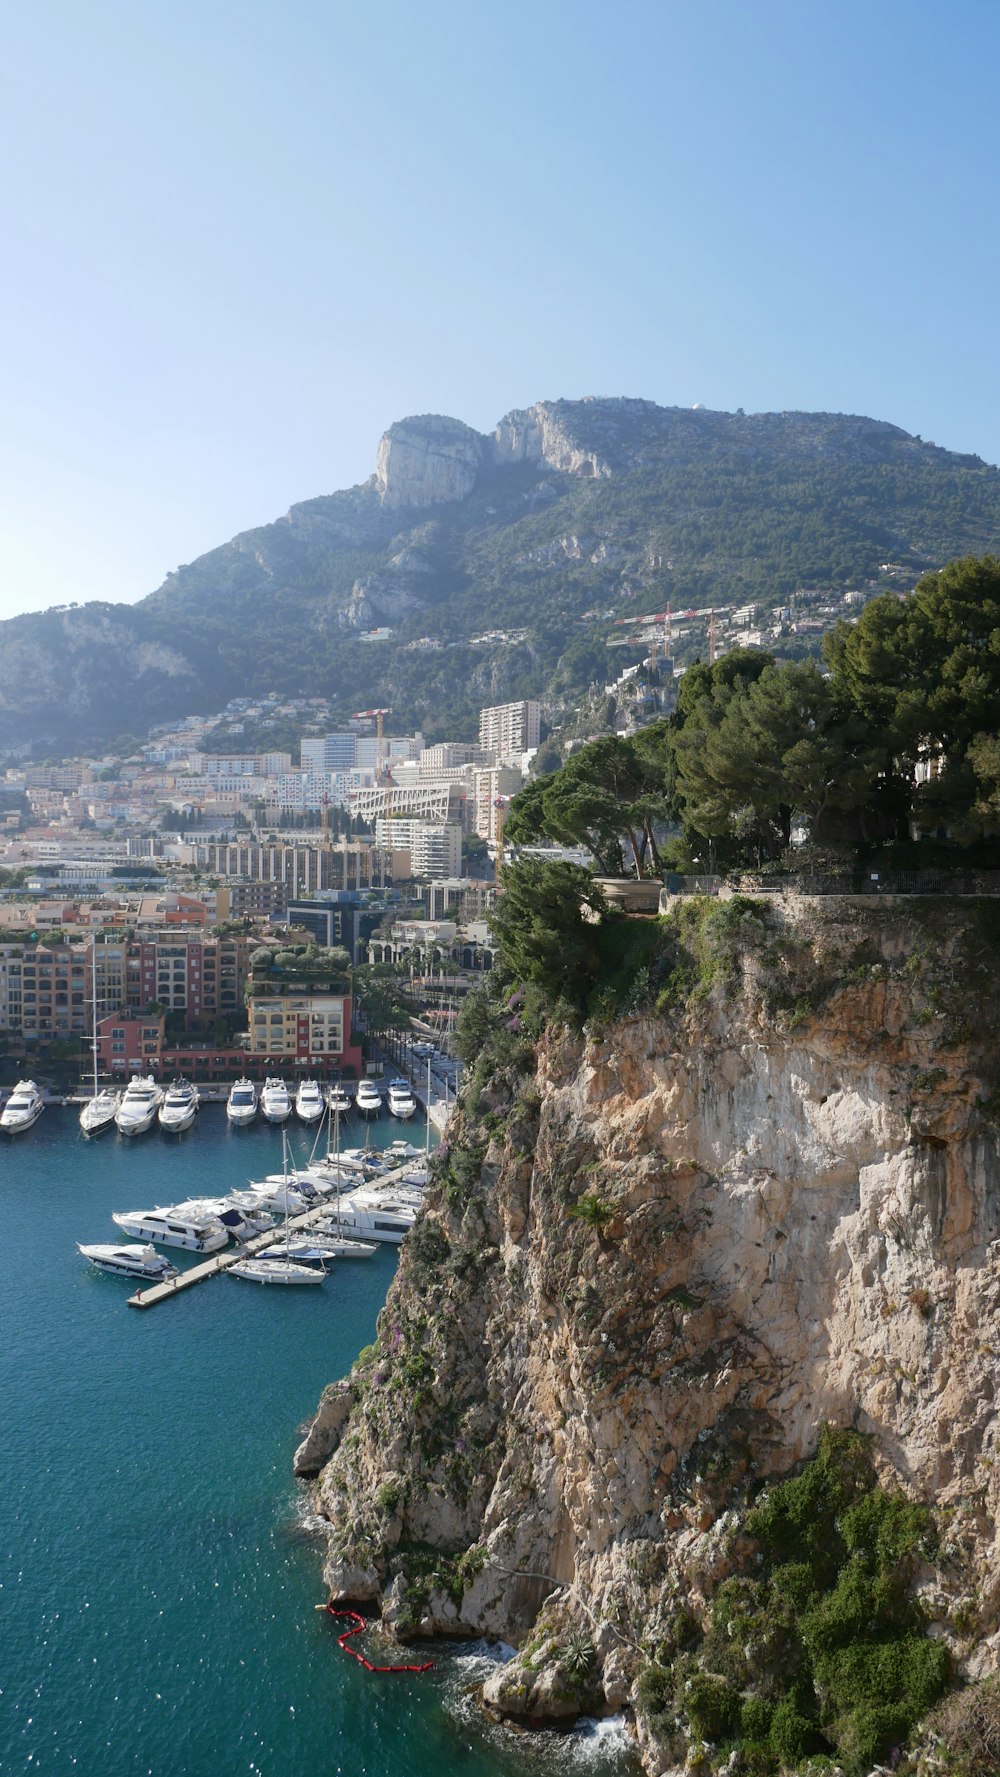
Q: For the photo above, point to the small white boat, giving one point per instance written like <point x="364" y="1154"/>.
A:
<point x="275" y="1102"/>
<point x="369" y="1099"/>
<point x="299" y="1250"/>
<point x="131" y="1261"/>
<point x="276" y="1271"/>
<point x="342" y="1246"/>
<point x="138" y="1108"/>
<point x="23" y="1108"/>
<point x="401" y="1100"/>
<point x="99" y="1112"/>
<point x="179" y="1107"/>
<point x="339" y="1099"/>
<point x="309" y="1105"/>
<point x="197" y="1233"/>
<point x="242" y="1106"/>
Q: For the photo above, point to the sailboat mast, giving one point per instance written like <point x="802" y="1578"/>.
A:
<point x="93" y="995"/>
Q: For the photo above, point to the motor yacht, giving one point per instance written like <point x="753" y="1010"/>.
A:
<point x="241" y="1219"/>
<point x="275" y="1102"/>
<point x="99" y="1112"/>
<point x="276" y="1271"/>
<point x="369" y="1098"/>
<point x="242" y="1106"/>
<point x="401" y="1100"/>
<point x="131" y="1261"/>
<point x="23" y="1108"/>
<point x="309" y="1105"/>
<point x="339" y="1099"/>
<point x="196" y="1233"/>
<point x="376" y="1215"/>
<point x="179" y="1107"/>
<point x="138" y="1108"/>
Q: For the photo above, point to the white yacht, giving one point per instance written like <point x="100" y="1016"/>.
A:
<point x="23" y="1108"/>
<point x="197" y="1233"/>
<point x="279" y="1270"/>
<point x="138" y="1108"/>
<point x="369" y="1098"/>
<point x="131" y="1261"/>
<point x="376" y="1215"/>
<point x="100" y="1111"/>
<point x="339" y="1099"/>
<point x="309" y="1105"/>
<point x="241" y="1219"/>
<point x="401" y="1100"/>
<point x="179" y="1107"/>
<point x="275" y="1102"/>
<point x="242" y="1106"/>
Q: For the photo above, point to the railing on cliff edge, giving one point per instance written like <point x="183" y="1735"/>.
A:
<point x="863" y="881"/>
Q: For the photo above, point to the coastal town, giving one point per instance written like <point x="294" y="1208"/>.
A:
<point x="194" y="912"/>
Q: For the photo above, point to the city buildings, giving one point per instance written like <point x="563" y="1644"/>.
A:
<point x="510" y="729"/>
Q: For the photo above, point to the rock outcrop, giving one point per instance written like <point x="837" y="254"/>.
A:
<point x="427" y="460"/>
<point x="652" y="1274"/>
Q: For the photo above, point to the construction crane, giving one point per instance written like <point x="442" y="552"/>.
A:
<point x="377" y="715"/>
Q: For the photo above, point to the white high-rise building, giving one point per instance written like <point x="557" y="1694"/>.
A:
<point x="329" y="752"/>
<point x="435" y="848"/>
<point x="510" y="729"/>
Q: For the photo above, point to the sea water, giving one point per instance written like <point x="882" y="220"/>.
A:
<point x="158" y="1571"/>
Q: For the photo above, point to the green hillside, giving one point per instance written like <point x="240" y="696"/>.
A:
<point x="612" y="508"/>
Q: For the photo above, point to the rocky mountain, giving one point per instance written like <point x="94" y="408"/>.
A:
<point x="660" y="1258"/>
<point x="498" y="564"/>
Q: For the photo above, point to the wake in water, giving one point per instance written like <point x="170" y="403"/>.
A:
<point x="600" y="1748"/>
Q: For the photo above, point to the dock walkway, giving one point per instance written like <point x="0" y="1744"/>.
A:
<point x="221" y="1261"/>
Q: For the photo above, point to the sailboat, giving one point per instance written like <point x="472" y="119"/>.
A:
<point x="279" y="1267"/>
<point x="100" y="1111"/>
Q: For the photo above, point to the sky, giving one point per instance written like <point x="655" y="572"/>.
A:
<point x="240" y="238"/>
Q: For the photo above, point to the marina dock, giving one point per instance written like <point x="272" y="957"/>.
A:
<point x="186" y="1280"/>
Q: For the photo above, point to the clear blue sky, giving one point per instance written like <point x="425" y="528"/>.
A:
<point x="241" y="237"/>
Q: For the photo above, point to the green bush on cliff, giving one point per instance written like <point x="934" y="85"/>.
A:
<point x="819" y="1649"/>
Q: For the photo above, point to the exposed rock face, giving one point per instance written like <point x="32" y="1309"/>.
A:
<point x="543" y="433"/>
<point x="427" y="460"/>
<point x="798" y="1226"/>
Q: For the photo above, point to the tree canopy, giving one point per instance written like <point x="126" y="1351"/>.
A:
<point x="894" y="742"/>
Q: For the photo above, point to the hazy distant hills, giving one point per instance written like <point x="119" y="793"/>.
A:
<point x="568" y="515"/>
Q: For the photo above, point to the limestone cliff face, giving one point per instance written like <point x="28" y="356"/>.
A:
<point x="797" y="1222"/>
<point x="427" y="460"/>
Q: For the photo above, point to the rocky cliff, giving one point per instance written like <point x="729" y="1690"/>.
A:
<point x="660" y="1257"/>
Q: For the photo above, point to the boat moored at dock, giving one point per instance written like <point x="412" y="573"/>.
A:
<point x="131" y="1261"/>
<point x="369" y="1099"/>
<point x="309" y="1105"/>
<point x="275" y="1102"/>
<point x="23" y="1108"/>
<point x="138" y="1108"/>
<point x="241" y="1108"/>
<point x="196" y="1234"/>
<point x="401" y="1100"/>
<point x="179" y="1107"/>
<point x="100" y="1112"/>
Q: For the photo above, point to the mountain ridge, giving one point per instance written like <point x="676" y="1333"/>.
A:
<point x="567" y="515"/>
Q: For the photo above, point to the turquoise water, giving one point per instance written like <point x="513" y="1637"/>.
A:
<point x="157" y="1570"/>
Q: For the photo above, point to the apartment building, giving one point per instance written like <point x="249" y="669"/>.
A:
<point x="313" y="1028"/>
<point x="510" y="729"/>
<point x="493" y="786"/>
<point x="329" y="752"/>
<point x="188" y="972"/>
<point x="46" y="989"/>
<point x="435" y="847"/>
